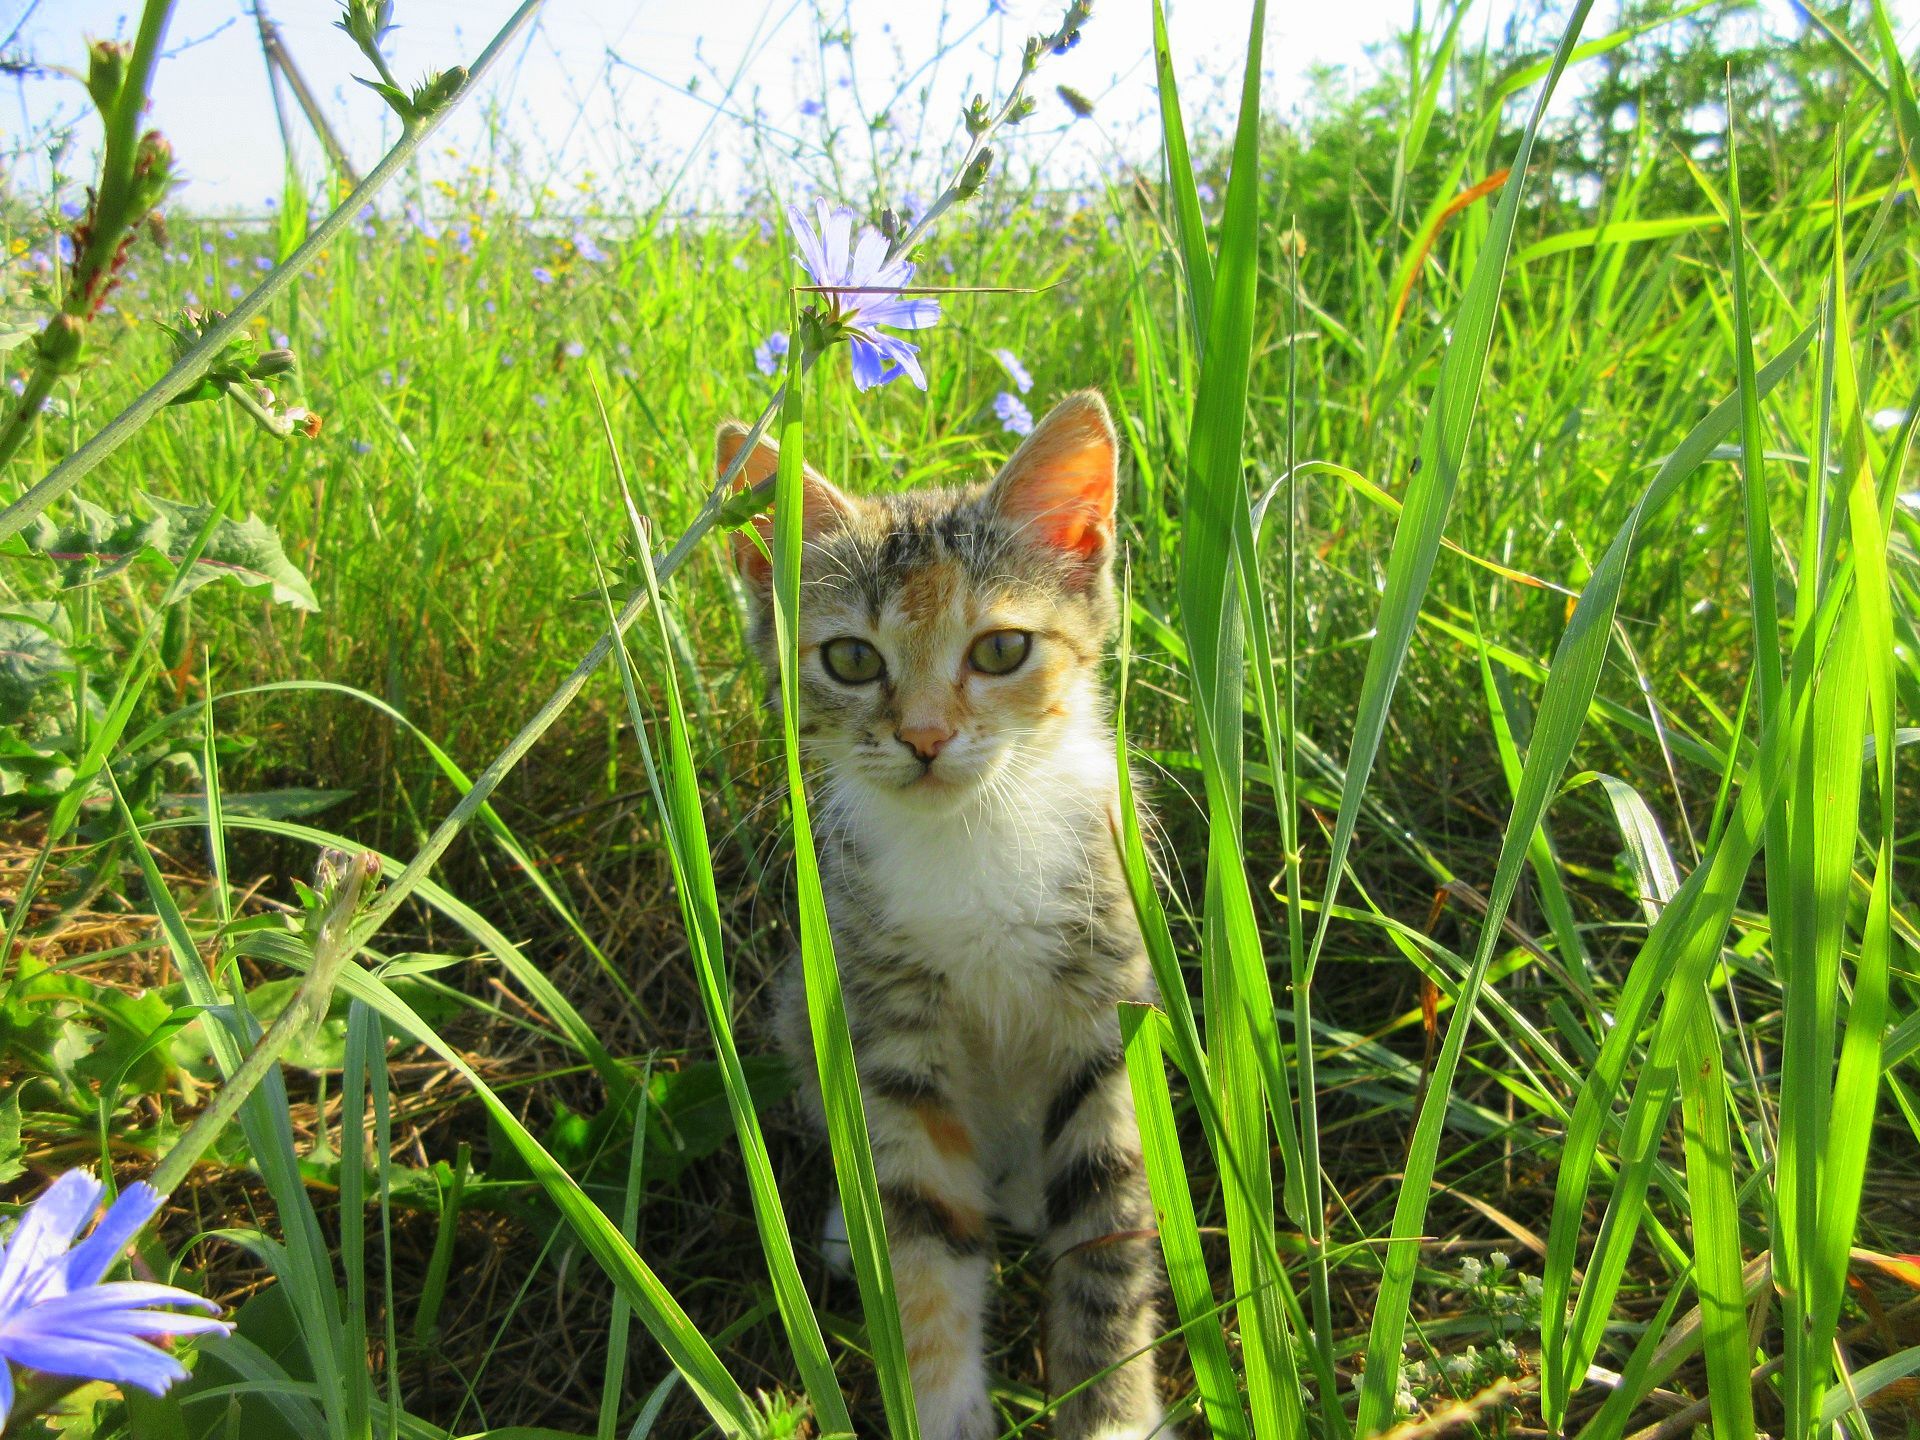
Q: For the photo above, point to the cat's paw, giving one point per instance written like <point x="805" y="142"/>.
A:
<point x="1148" y="1426"/>
<point x="833" y="1242"/>
<point x="958" y="1414"/>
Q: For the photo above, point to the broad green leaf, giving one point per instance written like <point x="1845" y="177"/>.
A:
<point x="99" y="544"/>
<point x="33" y="654"/>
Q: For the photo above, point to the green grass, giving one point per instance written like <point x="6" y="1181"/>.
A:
<point x="1519" y="664"/>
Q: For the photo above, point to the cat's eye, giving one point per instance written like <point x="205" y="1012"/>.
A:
<point x="1000" y="652"/>
<point x="852" y="661"/>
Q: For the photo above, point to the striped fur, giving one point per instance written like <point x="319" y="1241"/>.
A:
<point x="981" y="923"/>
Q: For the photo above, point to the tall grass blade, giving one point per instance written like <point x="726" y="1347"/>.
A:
<point x="1856" y="1086"/>
<point x="1718" y="879"/>
<point x="1443" y="445"/>
<point x="1191" y="225"/>
<point x="690" y="1351"/>
<point x="1179" y="1229"/>
<point x="676" y="792"/>
<point x="305" y="1263"/>
<point x="1416" y="543"/>
<point x="1214" y="585"/>
<point x="826" y="1007"/>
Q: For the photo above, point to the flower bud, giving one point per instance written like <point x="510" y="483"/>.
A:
<point x="106" y="72"/>
<point x="976" y="115"/>
<point x="61" y="343"/>
<point x="367" y="21"/>
<point x="436" y="90"/>
<point x="152" y="172"/>
<point x="273" y="362"/>
<point x="975" y="175"/>
<point x="1022" y="108"/>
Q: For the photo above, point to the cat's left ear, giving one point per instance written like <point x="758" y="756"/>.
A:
<point x="825" y="507"/>
<point x="1059" y="485"/>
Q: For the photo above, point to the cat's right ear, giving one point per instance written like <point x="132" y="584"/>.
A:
<point x="826" y="507"/>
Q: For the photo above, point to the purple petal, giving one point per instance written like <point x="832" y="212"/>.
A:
<point x="902" y="312"/>
<point x="811" y="257"/>
<point x="125" y="1218"/>
<point x="6" y="1394"/>
<point x="124" y="1362"/>
<point x="836" y="236"/>
<point x="907" y="357"/>
<point x="870" y="367"/>
<point x="1015" y="418"/>
<point x="888" y="358"/>
<point x="99" y="1300"/>
<point x="40" y="1240"/>
<point x="131" y="1325"/>
<point x="1009" y="362"/>
<point x="117" y="1327"/>
<point x="869" y="259"/>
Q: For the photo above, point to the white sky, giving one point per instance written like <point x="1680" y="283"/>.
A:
<point x="600" y="84"/>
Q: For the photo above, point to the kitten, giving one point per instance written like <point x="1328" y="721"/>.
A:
<point x="962" y="761"/>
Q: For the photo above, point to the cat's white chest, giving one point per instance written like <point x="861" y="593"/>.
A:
<point x="983" y="899"/>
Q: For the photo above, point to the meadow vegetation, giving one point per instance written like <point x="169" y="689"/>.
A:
<point x="1520" y="656"/>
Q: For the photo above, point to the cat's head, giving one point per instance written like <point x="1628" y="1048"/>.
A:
<point x="949" y="638"/>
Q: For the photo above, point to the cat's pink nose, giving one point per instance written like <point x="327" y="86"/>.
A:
<point x="926" y="741"/>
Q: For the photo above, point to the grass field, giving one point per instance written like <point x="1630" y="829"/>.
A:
<point x="1519" y="666"/>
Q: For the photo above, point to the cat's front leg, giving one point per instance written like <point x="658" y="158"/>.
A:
<point x="933" y="1195"/>
<point x="1099" y="1237"/>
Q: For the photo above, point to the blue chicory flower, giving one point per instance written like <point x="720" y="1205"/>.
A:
<point x="1016" y="372"/>
<point x="768" y="354"/>
<point x="55" y="1315"/>
<point x="811" y="107"/>
<point x="1015" y="418"/>
<point x="584" y="247"/>
<point x="543" y="274"/>
<point x="417" y="218"/>
<point x="833" y="255"/>
<point x="573" y="349"/>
